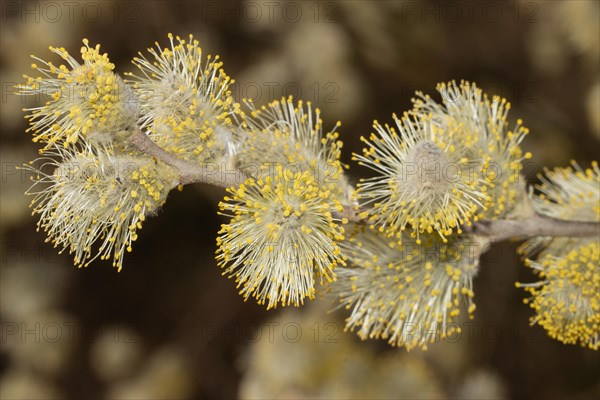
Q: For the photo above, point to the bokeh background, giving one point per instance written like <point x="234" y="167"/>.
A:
<point x="169" y="325"/>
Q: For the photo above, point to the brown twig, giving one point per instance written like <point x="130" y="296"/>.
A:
<point x="189" y="172"/>
<point x="494" y="230"/>
<point x="537" y="225"/>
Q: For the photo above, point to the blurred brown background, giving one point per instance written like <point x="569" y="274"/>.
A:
<point x="169" y="325"/>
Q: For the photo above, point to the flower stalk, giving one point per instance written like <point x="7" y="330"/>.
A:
<point x="189" y="172"/>
<point x="400" y="251"/>
<point x="494" y="230"/>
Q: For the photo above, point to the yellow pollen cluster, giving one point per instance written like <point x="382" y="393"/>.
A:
<point x="443" y="165"/>
<point x="427" y="178"/>
<point x="85" y="100"/>
<point x="567" y="300"/>
<point x="281" y="235"/>
<point x="465" y="107"/>
<point x="186" y="102"/>
<point x="408" y="294"/>
<point x="93" y="203"/>
<point x="291" y="135"/>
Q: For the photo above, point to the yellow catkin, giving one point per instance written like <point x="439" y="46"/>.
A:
<point x="87" y="101"/>
<point x="186" y="102"/>
<point x="567" y="299"/>
<point x="281" y="235"/>
<point x="408" y="294"/>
